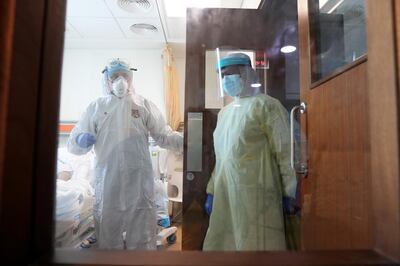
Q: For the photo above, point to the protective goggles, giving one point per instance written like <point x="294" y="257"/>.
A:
<point x="117" y="68"/>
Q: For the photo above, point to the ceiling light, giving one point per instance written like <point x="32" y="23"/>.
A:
<point x="256" y="85"/>
<point x="288" y="49"/>
<point x="143" y="29"/>
<point x="135" y="5"/>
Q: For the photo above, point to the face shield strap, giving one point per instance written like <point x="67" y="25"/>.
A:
<point x="106" y="69"/>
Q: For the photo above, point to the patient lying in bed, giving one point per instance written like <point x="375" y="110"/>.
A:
<point x="74" y="199"/>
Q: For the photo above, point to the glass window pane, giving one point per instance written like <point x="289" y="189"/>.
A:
<point x="338" y="37"/>
<point x="121" y="179"/>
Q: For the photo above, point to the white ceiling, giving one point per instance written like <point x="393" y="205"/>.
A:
<point x="97" y="24"/>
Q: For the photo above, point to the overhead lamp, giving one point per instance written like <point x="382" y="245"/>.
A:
<point x="287" y="49"/>
<point x="256" y="85"/>
<point x="143" y="29"/>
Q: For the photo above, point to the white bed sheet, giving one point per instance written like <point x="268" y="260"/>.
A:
<point x="74" y="199"/>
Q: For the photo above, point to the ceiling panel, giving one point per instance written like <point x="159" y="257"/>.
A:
<point x="231" y="3"/>
<point x="87" y="8"/>
<point x="70" y="32"/>
<point x="102" y="22"/>
<point x="251" y="4"/>
<point x="176" y="28"/>
<point x="95" y="43"/>
<point x="96" y="27"/>
<point x="138" y="9"/>
<point x="125" y="24"/>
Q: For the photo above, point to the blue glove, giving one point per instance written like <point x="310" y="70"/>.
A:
<point x="208" y="204"/>
<point x="164" y="222"/>
<point x="288" y="206"/>
<point x="85" y="140"/>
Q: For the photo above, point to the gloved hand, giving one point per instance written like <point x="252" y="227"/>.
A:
<point x="288" y="205"/>
<point x="85" y="140"/>
<point x="164" y="222"/>
<point x="208" y="204"/>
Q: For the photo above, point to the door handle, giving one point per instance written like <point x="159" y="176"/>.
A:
<point x="301" y="167"/>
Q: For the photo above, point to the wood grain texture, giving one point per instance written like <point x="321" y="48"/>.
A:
<point x="7" y="16"/>
<point x="21" y="118"/>
<point x="47" y="127"/>
<point x="335" y="200"/>
<point x="193" y="258"/>
<point x="397" y="34"/>
<point x="307" y="234"/>
<point x="384" y="101"/>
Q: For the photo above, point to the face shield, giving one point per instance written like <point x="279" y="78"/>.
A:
<point x="235" y="75"/>
<point x="117" y="71"/>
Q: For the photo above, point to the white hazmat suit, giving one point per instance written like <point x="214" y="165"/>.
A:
<point x="124" y="183"/>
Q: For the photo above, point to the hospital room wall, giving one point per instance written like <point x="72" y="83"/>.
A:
<point x="82" y="80"/>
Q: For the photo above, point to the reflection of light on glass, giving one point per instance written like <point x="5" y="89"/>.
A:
<point x="236" y="102"/>
<point x="219" y="73"/>
<point x="256" y="85"/>
<point x="335" y="6"/>
<point x="322" y="3"/>
<point x="288" y="49"/>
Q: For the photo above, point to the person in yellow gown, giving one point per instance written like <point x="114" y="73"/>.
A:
<point x="252" y="171"/>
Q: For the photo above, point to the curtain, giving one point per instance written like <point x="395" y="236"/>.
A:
<point x="171" y="86"/>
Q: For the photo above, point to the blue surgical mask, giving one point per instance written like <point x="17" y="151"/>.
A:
<point x="232" y="84"/>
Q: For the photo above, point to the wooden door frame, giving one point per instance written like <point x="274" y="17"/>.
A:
<point x="382" y="79"/>
<point x="7" y="19"/>
<point x="29" y="156"/>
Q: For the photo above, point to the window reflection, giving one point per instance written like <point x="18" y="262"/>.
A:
<point x="338" y="37"/>
<point x="106" y="197"/>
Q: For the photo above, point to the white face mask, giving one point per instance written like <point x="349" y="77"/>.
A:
<point x="120" y="87"/>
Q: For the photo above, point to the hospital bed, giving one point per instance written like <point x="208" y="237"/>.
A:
<point x="74" y="199"/>
<point x="159" y="158"/>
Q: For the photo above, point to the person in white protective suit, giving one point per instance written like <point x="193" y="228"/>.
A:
<point x="118" y="126"/>
<point x="252" y="172"/>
